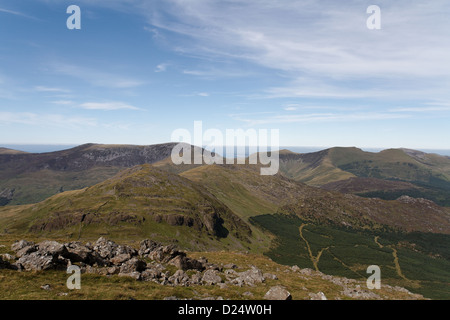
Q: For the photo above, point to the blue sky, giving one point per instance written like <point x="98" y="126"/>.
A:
<point x="137" y="70"/>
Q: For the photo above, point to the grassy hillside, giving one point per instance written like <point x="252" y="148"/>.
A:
<point x="135" y="203"/>
<point x="243" y="189"/>
<point x="428" y="174"/>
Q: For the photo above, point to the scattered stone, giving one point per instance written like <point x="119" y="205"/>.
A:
<point x="211" y="277"/>
<point x="113" y="270"/>
<point x="185" y="263"/>
<point x="133" y="265"/>
<point x="295" y="268"/>
<point x="120" y="258"/>
<point x="18" y="245"/>
<point x="317" y="296"/>
<point x="179" y="278"/>
<point x="6" y="264"/>
<point x="26" y="250"/>
<point x="136" y="275"/>
<point x="36" y="261"/>
<point x="196" y="278"/>
<point x="307" y="272"/>
<point x="230" y="266"/>
<point x="76" y="252"/>
<point x="45" y="287"/>
<point x="52" y="248"/>
<point x="358" y="293"/>
<point x="7" y="257"/>
<point x="278" y="293"/>
<point x="270" y="276"/>
<point x="249" y="277"/>
<point x="222" y="285"/>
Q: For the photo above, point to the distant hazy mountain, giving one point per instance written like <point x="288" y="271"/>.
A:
<point x="32" y="177"/>
<point x="404" y="171"/>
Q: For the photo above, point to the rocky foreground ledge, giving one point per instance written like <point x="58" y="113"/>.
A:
<point x="154" y="262"/>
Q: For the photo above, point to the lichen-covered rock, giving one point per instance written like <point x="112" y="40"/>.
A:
<point x="133" y="265"/>
<point x="18" y="245"/>
<point x="249" y="277"/>
<point x="52" y="248"/>
<point x="184" y="263"/>
<point x="211" y="277"/>
<point x="179" y="278"/>
<point x="278" y="293"/>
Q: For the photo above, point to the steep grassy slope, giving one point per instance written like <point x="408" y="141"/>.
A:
<point x="137" y="202"/>
<point x="249" y="194"/>
<point x="244" y="190"/>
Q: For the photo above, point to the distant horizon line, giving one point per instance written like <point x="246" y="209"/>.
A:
<point x="51" y="147"/>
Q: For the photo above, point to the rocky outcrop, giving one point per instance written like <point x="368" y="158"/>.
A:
<point x="148" y="263"/>
<point x="154" y="262"/>
<point x="6" y="196"/>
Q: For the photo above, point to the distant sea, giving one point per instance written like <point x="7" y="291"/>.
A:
<point x="38" y="148"/>
<point x="41" y="148"/>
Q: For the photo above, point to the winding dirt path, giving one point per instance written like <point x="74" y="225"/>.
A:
<point x="396" y="260"/>
<point x="314" y="260"/>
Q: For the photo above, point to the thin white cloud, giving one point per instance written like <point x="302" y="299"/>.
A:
<point x="63" y="102"/>
<point x="95" y="77"/>
<point x="58" y="120"/>
<point x="17" y="13"/>
<point x="107" y="106"/>
<point x="319" y="41"/>
<point x="50" y="89"/>
<point x="319" y="117"/>
<point x="422" y="109"/>
<point x="214" y="73"/>
<point x="161" y="67"/>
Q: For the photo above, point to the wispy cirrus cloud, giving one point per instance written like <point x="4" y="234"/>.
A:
<point x="323" y="42"/>
<point x="318" y="118"/>
<point x="161" y="67"/>
<point x="50" y="89"/>
<point x="108" y="106"/>
<point x="63" y="102"/>
<point x="35" y="119"/>
<point x="96" y="77"/>
<point x="17" y="13"/>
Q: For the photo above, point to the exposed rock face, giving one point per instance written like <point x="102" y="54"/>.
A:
<point x="18" y="245"/>
<point x="278" y="293"/>
<point x="6" y="196"/>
